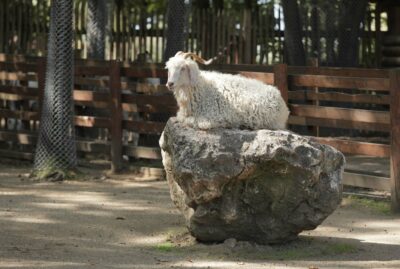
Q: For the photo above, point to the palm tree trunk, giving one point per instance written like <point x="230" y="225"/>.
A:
<point x="56" y="151"/>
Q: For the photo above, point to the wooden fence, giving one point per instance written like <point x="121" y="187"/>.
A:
<point x="125" y="103"/>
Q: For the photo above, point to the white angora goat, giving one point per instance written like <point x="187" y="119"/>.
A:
<point x="210" y="99"/>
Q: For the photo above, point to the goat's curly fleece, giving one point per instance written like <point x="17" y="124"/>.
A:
<point x="229" y="101"/>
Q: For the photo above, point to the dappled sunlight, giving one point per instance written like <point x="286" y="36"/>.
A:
<point x="361" y="225"/>
<point x="12" y="263"/>
<point x="151" y="240"/>
<point x="138" y="184"/>
<point x="383" y="239"/>
<point x="34" y="220"/>
<point x="22" y="217"/>
<point x="16" y="192"/>
<point x="88" y="198"/>
<point x="95" y="212"/>
<point x="384" y="224"/>
<point x="220" y="264"/>
<point x="349" y="264"/>
<point x="57" y="206"/>
<point x="378" y="236"/>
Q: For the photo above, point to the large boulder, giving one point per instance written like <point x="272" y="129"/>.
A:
<point x="263" y="186"/>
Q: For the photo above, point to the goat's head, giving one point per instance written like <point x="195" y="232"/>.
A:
<point x="183" y="71"/>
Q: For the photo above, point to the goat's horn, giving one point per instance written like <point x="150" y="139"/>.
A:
<point x="198" y="58"/>
<point x="179" y="53"/>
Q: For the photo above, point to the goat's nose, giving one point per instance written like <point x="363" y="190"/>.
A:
<point x="170" y="85"/>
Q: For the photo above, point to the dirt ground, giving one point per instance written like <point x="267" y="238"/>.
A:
<point x="126" y="222"/>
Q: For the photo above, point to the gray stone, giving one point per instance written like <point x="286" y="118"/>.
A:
<point x="262" y="186"/>
<point x="230" y="242"/>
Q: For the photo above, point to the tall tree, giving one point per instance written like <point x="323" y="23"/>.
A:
<point x="176" y="27"/>
<point x="350" y="23"/>
<point x="294" y="48"/>
<point x="330" y="23"/>
<point x="56" y="152"/>
<point x="96" y="37"/>
<point x="96" y="28"/>
<point x="201" y="4"/>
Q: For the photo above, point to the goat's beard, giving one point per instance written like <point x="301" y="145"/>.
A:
<point x="184" y="96"/>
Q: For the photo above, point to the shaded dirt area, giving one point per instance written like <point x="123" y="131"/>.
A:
<point x="125" y="222"/>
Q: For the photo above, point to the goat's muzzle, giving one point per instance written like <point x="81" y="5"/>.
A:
<point x="170" y="85"/>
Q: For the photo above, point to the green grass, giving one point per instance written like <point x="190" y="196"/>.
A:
<point x="340" y="248"/>
<point x="166" y="247"/>
<point x="382" y="207"/>
<point x="289" y="254"/>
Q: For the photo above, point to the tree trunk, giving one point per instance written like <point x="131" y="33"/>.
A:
<point x="176" y="27"/>
<point x="353" y="12"/>
<point x="56" y="152"/>
<point x="96" y="29"/>
<point x="331" y="17"/>
<point x="96" y="34"/>
<point x="218" y="4"/>
<point x="315" y="34"/>
<point x="201" y="4"/>
<point x="294" y="47"/>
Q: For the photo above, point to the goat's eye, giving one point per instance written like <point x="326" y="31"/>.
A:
<point x="183" y="69"/>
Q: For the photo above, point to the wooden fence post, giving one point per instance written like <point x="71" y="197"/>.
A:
<point x="41" y="73"/>
<point x="116" y="116"/>
<point x="281" y="80"/>
<point x="395" y="139"/>
<point x="314" y="63"/>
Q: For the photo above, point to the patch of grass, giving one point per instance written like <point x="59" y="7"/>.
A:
<point x="303" y="251"/>
<point x="340" y="248"/>
<point x="377" y="206"/>
<point x="167" y="246"/>
<point x="290" y="254"/>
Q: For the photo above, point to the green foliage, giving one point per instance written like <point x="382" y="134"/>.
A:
<point x="146" y="5"/>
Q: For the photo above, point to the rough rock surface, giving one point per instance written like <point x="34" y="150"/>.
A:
<point x="263" y="186"/>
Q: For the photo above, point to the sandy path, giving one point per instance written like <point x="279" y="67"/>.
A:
<point x="121" y="223"/>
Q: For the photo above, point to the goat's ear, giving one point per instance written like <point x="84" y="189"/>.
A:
<point x="193" y="72"/>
